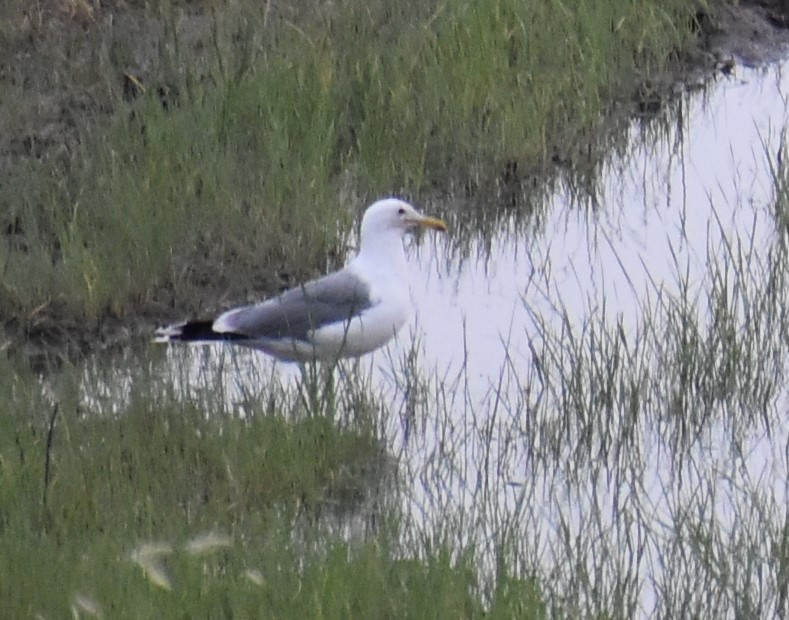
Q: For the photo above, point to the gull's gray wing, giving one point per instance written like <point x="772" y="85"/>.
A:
<point x="293" y="314"/>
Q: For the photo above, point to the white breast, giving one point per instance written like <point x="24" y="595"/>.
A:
<point x="390" y="309"/>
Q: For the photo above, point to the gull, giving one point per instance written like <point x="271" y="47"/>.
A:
<point x="344" y="314"/>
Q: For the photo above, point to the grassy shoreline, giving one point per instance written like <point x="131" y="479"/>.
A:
<point x="260" y="133"/>
<point x="151" y="502"/>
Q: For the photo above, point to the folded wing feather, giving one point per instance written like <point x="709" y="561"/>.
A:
<point x="294" y="314"/>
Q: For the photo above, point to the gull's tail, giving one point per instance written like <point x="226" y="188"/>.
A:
<point x="194" y="331"/>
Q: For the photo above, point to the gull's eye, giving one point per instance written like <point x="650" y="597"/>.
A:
<point x="401" y="211"/>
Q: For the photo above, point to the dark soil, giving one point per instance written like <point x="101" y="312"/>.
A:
<point x="66" y="60"/>
<point x="751" y="33"/>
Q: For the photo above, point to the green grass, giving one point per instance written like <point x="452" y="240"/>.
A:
<point x="168" y="506"/>
<point x="105" y="496"/>
<point x="277" y="127"/>
<point x="248" y="582"/>
<point x="542" y="500"/>
<point x="189" y="466"/>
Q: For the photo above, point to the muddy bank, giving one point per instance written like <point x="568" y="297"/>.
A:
<point x="59" y="60"/>
<point x="751" y="33"/>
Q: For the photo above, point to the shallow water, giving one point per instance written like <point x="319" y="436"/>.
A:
<point x="680" y="214"/>
<point x="553" y="418"/>
<point x="665" y="210"/>
<point x="665" y="526"/>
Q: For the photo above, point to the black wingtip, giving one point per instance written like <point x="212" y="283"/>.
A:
<point x="195" y="331"/>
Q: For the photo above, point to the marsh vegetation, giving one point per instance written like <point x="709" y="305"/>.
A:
<point x="170" y="144"/>
<point x="586" y="418"/>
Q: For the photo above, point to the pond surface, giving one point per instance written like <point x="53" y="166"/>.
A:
<point x="600" y="391"/>
<point x="623" y="400"/>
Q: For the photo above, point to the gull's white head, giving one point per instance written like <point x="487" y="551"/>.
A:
<point x="393" y="216"/>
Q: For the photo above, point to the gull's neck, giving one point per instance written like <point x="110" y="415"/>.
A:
<point x="382" y="253"/>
